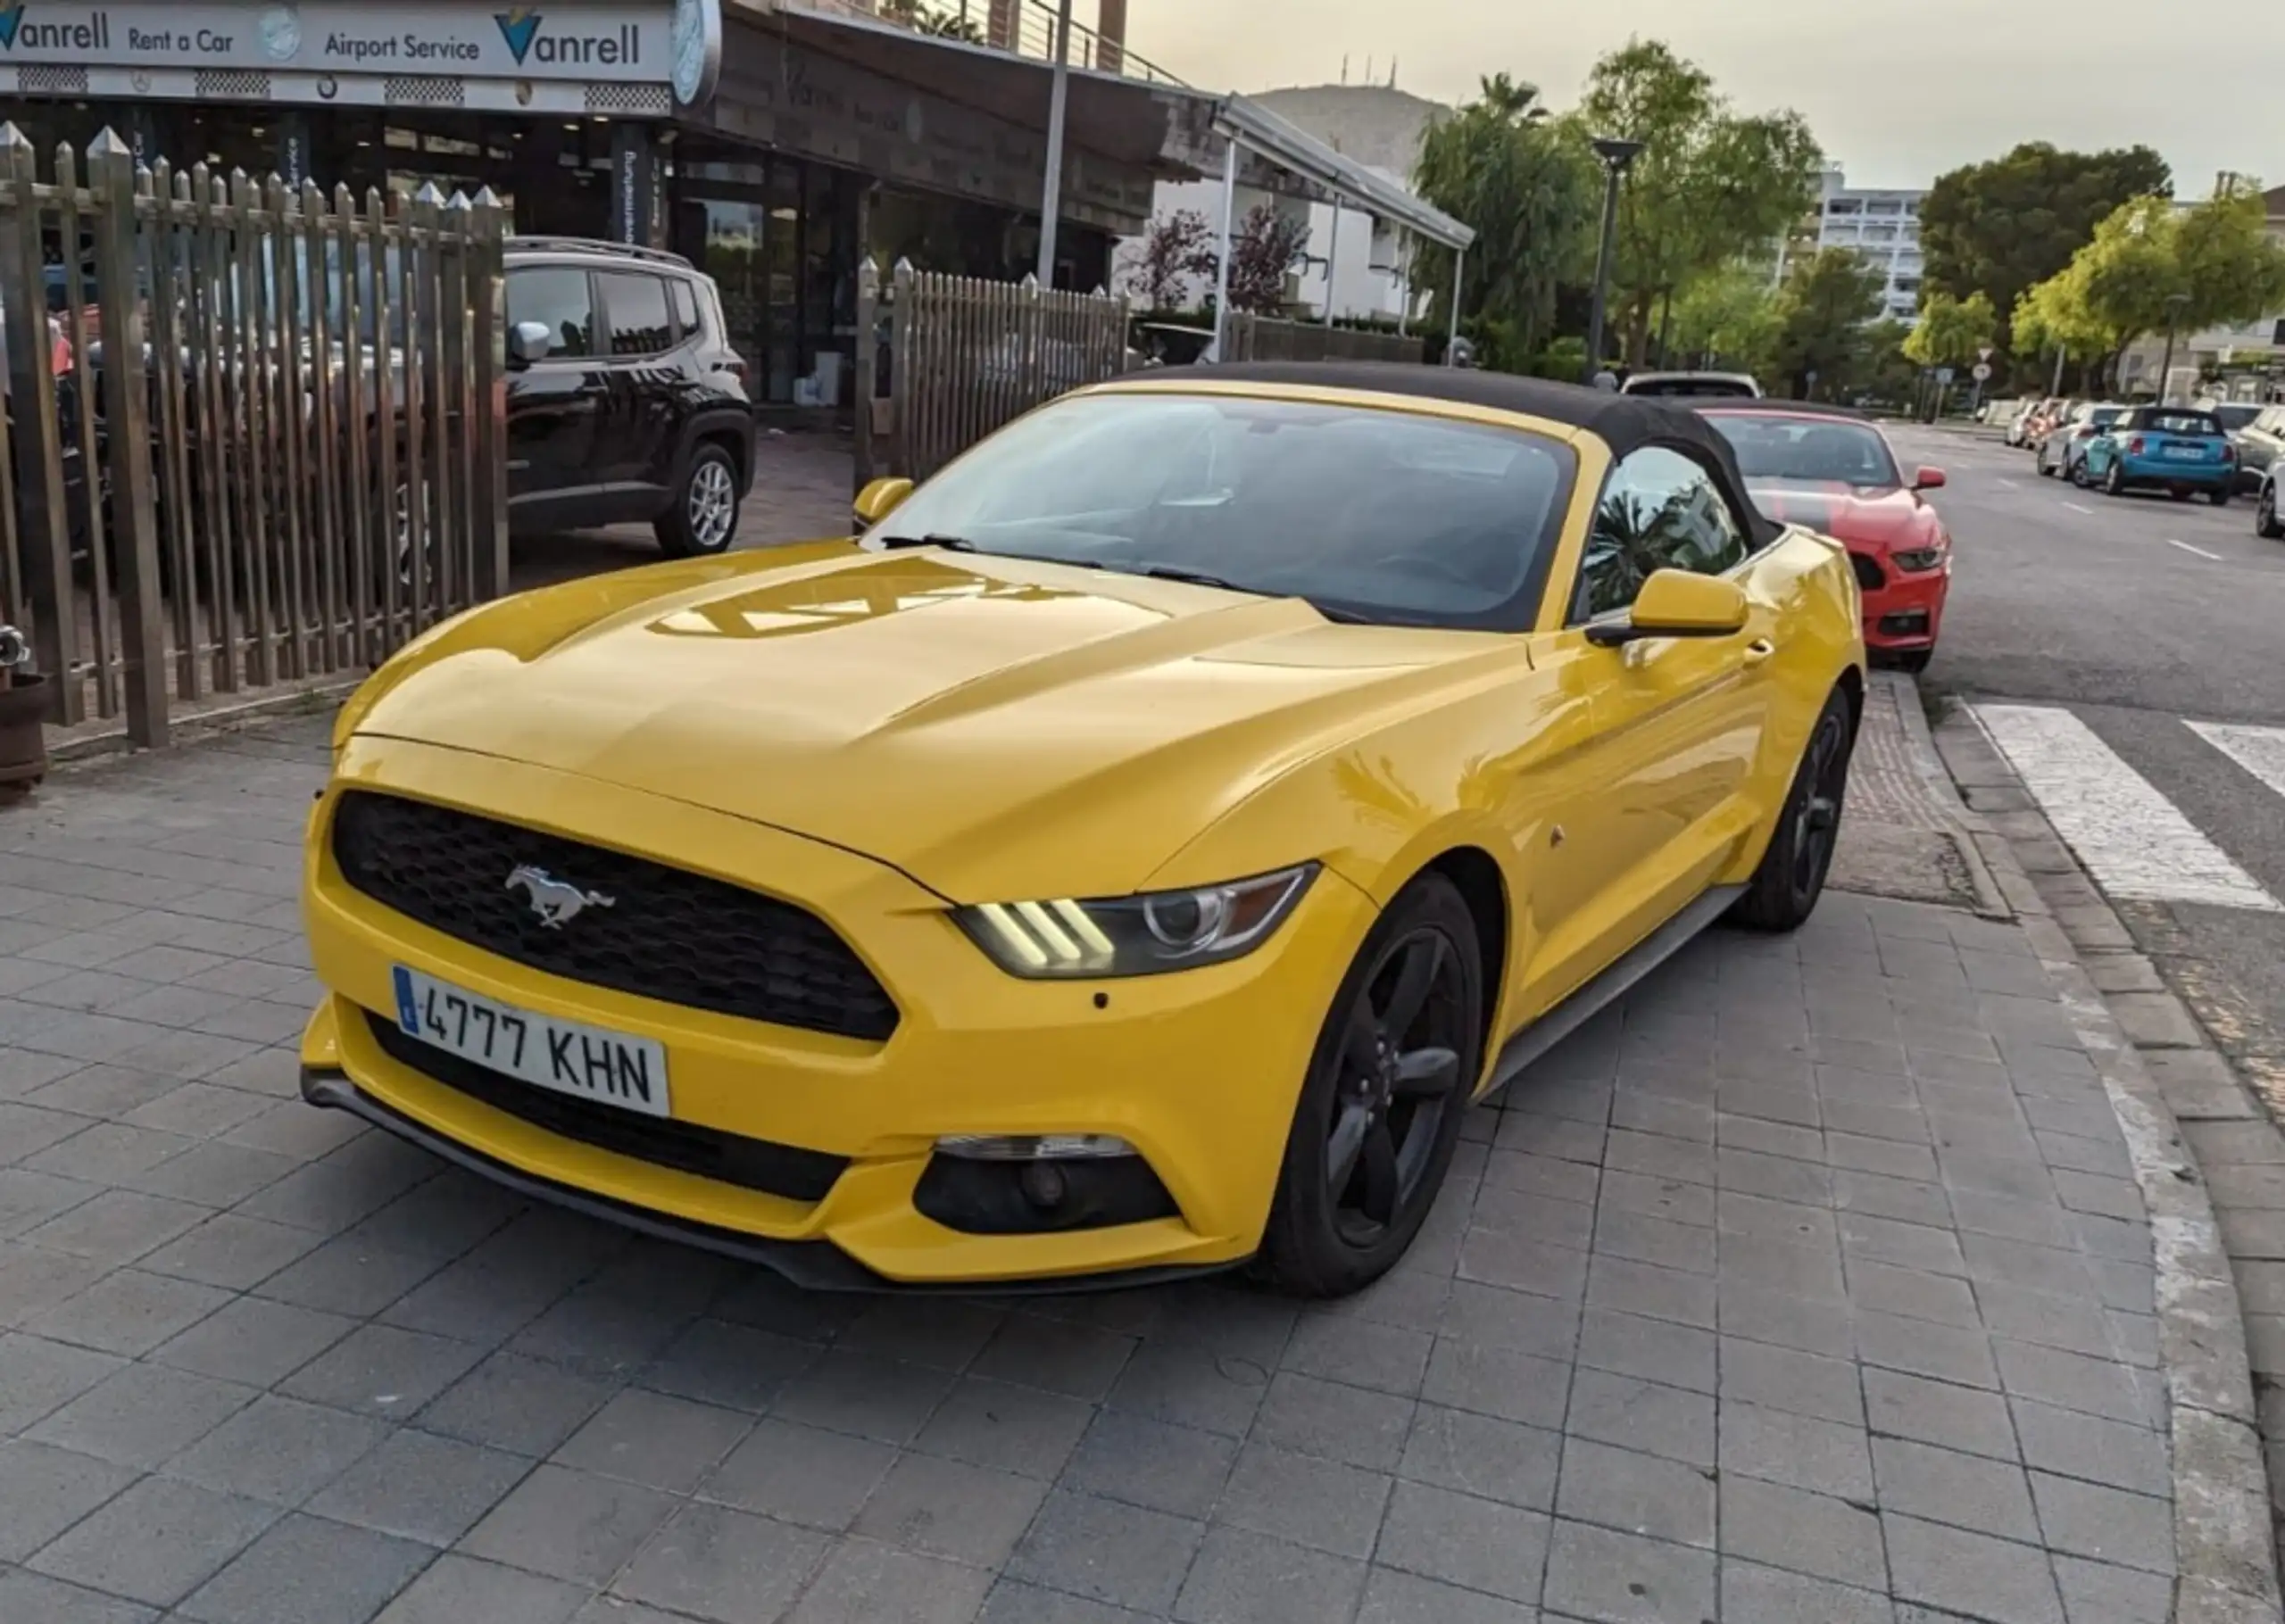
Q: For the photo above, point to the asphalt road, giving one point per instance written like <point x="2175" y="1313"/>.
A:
<point x="2158" y="630"/>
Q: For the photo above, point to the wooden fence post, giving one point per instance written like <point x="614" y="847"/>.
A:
<point x="127" y="411"/>
<point x="43" y="524"/>
<point x="869" y="368"/>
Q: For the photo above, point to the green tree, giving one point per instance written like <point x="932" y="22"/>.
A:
<point x="1950" y="332"/>
<point x="1727" y="318"/>
<point x="2054" y="315"/>
<point x="1709" y="186"/>
<point x="2233" y="270"/>
<point x="2002" y="227"/>
<point x="2152" y="264"/>
<point x="1822" y="345"/>
<point x="1531" y="192"/>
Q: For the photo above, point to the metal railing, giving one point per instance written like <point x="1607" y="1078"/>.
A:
<point x="965" y="356"/>
<point x="1252" y="337"/>
<point x="1027" y="27"/>
<point x="256" y="434"/>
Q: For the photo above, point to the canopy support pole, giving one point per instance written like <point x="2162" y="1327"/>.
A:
<point x="1222" y="272"/>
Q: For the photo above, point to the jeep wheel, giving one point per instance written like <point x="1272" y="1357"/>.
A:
<point x="703" y="518"/>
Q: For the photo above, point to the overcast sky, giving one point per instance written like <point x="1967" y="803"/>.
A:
<point x="1898" y="91"/>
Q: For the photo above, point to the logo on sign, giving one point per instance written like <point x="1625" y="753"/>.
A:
<point x="518" y="28"/>
<point x="9" y="17"/>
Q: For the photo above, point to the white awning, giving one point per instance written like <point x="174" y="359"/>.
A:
<point x="1260" y="130"/>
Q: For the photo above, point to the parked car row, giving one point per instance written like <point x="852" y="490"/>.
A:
<point x="2184" y="451"/>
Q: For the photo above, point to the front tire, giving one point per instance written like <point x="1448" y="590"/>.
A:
<point x="2219" y="496"/>
<point x="1380" y="1109"/>
<point x="2264" y="513"/>
<point x="2113" y="482"/>
<point x="1784" y="890"/>
<point x="703" y="518"/>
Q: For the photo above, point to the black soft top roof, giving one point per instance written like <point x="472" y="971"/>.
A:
<point x="1623" y="422"/>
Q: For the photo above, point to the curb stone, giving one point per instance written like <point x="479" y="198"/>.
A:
<point x="1992" y="900"/>
<point x="2225" y="1531"/>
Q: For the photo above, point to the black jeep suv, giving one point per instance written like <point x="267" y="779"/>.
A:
<point x="625" y="399"/>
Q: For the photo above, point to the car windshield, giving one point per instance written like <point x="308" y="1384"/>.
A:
<point x="2179" y="423"/>
<point x="1372" y="515"/>
<point x="1785" y="450"/>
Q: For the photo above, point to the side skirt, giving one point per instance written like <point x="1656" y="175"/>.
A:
<point x="1582" y="1007"/>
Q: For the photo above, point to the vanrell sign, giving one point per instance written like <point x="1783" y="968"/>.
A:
<point x="664" y="42"/>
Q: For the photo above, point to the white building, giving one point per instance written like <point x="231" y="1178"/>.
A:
<point x="1883" y="226"/>
<point x="2251" y="355"/>
<point x="1358" y="264"/>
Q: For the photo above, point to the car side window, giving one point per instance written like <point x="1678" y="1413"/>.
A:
<point x="1660" y="509"/>
<point x="685" y="299"/>
<point x="558" y="298"/>
<point x="635" y="304"/>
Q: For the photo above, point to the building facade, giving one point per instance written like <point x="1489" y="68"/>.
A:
<point x="775" y="144"/>
<point x="1883" y="226"/>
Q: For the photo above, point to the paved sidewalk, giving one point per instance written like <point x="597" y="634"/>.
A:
<point x="1812" y="1279"/>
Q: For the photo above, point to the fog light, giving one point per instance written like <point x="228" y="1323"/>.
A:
<point x="1034" y="1147"/>
<point x="1043" y="1185"/>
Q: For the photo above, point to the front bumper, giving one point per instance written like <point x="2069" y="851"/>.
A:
<point x="1198" y="1070"/>
<point x="1906" y="612"/>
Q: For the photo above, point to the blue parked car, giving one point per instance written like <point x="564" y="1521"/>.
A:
<point x="2178" y="448"/>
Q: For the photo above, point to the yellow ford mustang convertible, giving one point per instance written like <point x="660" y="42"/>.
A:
<point x="1129" y="858"/>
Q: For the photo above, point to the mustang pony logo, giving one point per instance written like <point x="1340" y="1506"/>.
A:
<point x="519" y="26"/>
<point x="555" y="901"/>
<point x="11" y="18"/>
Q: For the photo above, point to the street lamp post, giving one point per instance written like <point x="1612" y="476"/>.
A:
<point x="2175" y="303"/>
<point x="1051" y="212"/>
<point x="1616" y="155"/>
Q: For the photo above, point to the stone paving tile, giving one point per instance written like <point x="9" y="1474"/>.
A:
<point x="1804" y="1286"/>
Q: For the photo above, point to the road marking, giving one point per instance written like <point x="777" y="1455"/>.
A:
<point x="2075" y="507"/>
<point x="2201" y="551"/>
<point x="2134" y="842"/>
<point x="2260" y="751"/>
<point x="2011" y="485"/>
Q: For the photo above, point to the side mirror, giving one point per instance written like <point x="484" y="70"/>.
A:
<point x="1676" y="603"/>
<point x="878" y="500"/>
<point x="1928" y="479"/>
<point x="527" y="342"/>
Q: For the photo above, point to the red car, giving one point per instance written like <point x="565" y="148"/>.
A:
<point x="1832" y="470"/>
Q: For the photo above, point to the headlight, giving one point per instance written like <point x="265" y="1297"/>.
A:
<point x="1920" y="558"/>
<point x="1144" y="935"/>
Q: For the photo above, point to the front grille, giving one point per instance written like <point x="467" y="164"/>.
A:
<point x="1868" y="572"/>
<point x="667" y="933"/>
<point x="729" y="1158"/>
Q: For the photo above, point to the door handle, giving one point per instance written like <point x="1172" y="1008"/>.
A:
<point x="1759" y="649"/>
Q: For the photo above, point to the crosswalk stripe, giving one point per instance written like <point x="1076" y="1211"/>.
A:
<point x="2134" y="842"/>
<point x="2260" y="751"/>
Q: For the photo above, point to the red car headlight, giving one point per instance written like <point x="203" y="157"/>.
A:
<point x="1919" y="557"/>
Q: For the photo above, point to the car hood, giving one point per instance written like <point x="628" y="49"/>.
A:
<point x="1869" y="519"/>
<point x="990" y="726"/>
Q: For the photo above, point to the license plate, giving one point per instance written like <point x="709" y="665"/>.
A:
<point x="586" y="1062"/>
<point x="2185" y="453"/>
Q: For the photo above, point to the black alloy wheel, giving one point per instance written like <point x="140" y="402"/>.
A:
<point x="1399" y="1074"/>
<point x="2264" y="513"/>
<point x="1784" y="890"/>
<point x="1380" y="1112"/>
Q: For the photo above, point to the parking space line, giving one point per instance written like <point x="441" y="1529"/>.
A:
<point x="2260" y="751"/>
<point x="2201" y="551"/>
<point x="2075" y="507"/>
<point x="2135" y="844"/>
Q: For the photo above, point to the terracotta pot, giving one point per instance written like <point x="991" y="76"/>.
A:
<point x="23" y="746"/>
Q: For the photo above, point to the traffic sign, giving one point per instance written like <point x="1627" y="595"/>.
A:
<point x="1943" y="374"/>
<point x="1983" y="352"/>
<point x="1980" y="372"/>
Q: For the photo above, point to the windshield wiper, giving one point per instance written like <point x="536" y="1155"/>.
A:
<point x="1167" y="572"/>
<point x="951" y="544"/>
